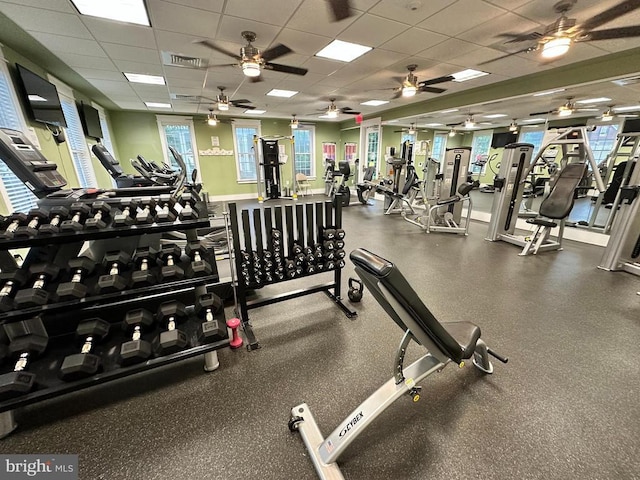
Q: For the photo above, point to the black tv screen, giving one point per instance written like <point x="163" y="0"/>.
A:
<point x="631" y="126"/>
<point x="500" y="140"/>
<point x="41" y="98"/>
<point x="90" y="121"/>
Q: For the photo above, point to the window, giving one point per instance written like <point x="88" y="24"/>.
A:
<point x="534" y="137"/>
<point x="439" y="145"/>
<point x="243" y="133"/>
<point x="372" y="137"/>
<point x="104" y="125"/>
<point x="350" y="152"/>
<point x="304" y="150"/>
<point x="480" y="145"/>
<point x="602" y="140"/>
<point x="16" y="195"/>
<point x="329" y="151"/>
<point x="177" y="132"/>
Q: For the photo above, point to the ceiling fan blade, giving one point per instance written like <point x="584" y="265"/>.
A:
<point x="521" y="37"/>
<point x="350" y="112"/>
<point x="246" y="107"/>
<point x="611" y="33"/>
<point x="397" y="94"/>
<point x="524" y="50"/>
<point x="276" y="67"/>
<point x="541" y="113"/>
<point x="612" y="13"/>
<point x="218" y="49"/>
<point x="275" y="52"/>
<point x="431" y="89"/>
<point x="340" y="9"/>
<point x="241" y="100"/>
<point x="434" y="81"/>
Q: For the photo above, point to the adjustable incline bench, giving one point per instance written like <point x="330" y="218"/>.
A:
<point x="445" y="343"/>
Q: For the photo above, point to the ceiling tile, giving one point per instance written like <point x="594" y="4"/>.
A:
<point x="61" y="44"/>
<point x="181" y="43"/>
<point x="113" y="86"/>
<point x="274" y="13"/>
<point x="227" y="77"/>
<point x="100" y="74"/>
<point x="381" y="58"/>
<point x="130" y="105"/>
<point x="211" y="5"/>
<point x="302" y="42"/>
<point x="313" y="16"/>
<point x="86" y="61"/>
<point x="231" y="27"/>
<point x="177" y="83"/>
<point x="184" y="73"/>
<point x="62" y="6"/>
<point x="123" y="33"/>
<point x="617" y="45"/>
<point x="413" y="40"/>
<point x="33" y="19"/>
<point x="322" y="66"/>
<point x="513" y="66"/>
<point x="578" y="52"/>
<point x="155" y="91"/>
<point x="509" y="4"/>
<point x="487" y="33"/>
<point x="371" y="30"/>
<point x="131" y="53"/>
<point x="182" y="19"/>
<point x="474" y="58"/>
<point x="448" y="49"/>
<point x="137" y="67"/>
<point x="461" y="16"/>
<point x="400" y="10"/>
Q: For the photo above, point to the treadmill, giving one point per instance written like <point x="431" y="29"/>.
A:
<point x="115" y="170"/>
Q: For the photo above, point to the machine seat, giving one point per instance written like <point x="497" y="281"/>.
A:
<point x="463" y="191"/>
<point x="542" y="222"/>
<point x="457" y="340"/>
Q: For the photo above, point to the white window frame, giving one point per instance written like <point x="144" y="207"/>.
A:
<point x="477" y="133"/>
<point x="243" y="123"/>
<point x="21" y="121"/>
<point x="67" y="92"/>
<point x="102" y="113"/>
<point x="163" y="120"/>
<point x="524" y="130"/>
<point x="598" y="123"/>
<point x="442" y="152"/>
<point x="312" y="158"/>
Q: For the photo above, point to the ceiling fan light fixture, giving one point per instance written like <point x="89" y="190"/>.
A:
<point x="251" y="69"/>
<point x="513" y="127"/>
<point x="212" y="119"/>
<point x="294" y="123"/>
<point x="452" y="133"/>
<point x="607" y="116"/>
<point x="332" y="113"/>
<point x="409" y="90"/>
<point x="556" y="47"/>
<point x="411" y="131"/>
<point x="223" y="106"/>
<point x="564" y="111"/>
<point x="469" y="123"/>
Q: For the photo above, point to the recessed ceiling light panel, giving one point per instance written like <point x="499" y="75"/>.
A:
<point x="374" y="103"/>
<point x="451" y="110"/>
<point x="533" y="120"/>
<point x="549" y="92"/>
<point x="593" y="100"/>
<point x="343" y="51"/>
<point x="495" y="115"/>
<point x="281" y="93"/>
<point x="255" y="112"/>
<point x="157" y="105"/>
<point x="142" y="78"/>
<point x="627" y="108"/>
<point x="130" y="11"/>
<point x="468" y="74"/>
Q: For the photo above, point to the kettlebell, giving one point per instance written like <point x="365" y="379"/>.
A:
<point x="355" y="290"/>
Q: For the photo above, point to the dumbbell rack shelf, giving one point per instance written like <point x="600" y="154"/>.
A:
<point x="46" y="368"/>
<point x="252" y="232"/>
<point x="112" y="232"/>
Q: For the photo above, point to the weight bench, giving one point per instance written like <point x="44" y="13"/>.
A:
<point x="556" y="206"/>
<point x="445" y="343"/>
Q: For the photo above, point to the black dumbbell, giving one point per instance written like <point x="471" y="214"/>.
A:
<point x="268" y="277"/>
<point x="148" y="213"/>
<point x="144" y="260"/>
<point x="126" y="215"/>
<point x="329" y="265"/>
<point x="11" y="281"/>
<point x="80" y="211"/>
<point x="329" y="234"/>
<point x="166" y="214"/>
<point x="330" y="255"/>
<point x="307" y="251"/>
<point x="189" y="210"/>
<point x="290" y="268"/>
<point x="340" y="254"/>
<point x="76" y="288"/>
<point x="279" y="274"/>
<point x="136" y="350"/>
<point x="311" y="268"/>
<point x="198" y="266"/>
<point x="339" y="263"/>
<point x="170" y="255"/>
<point x="37" y="216"/>
<point x="85" y="364"/>
<point x="297" y="249"/>
<point x="42" y="273"/>
<point x="19" y="381"/>
<point x="310" y="259"/>
<point x="171" y="340"/>
<point x="114" y="281"/>
<point x="205" y="308"/>
<point x="15" y="220"/>
<point x="328" y="245"/>
<point x="101" y="211"/>
<point x="340" y="233"/>
<point x="56" y="215"/>
<point x="339" y="244"/>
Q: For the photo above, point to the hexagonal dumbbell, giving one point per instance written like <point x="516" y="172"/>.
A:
<point x="11" y="282"/>
<point x="148" y="213"/>
<point x="85" y="364"/>
<point x="211" y="330"/>
<point x="56" y="215"/>
<point x="101" y="211"/>
<point x="114" y="281"/>
<point x="170" y="271"/>
<point x="144" y="259"/>
<point x="127" y="213"/>
<point x="166" y="213"/>
<point x="42" y="274"/>
<point x="76" y="288"/>
<point x="198" y="266"/>
<point x="136" y="350"/>
<point x="171" y="340"/>
<point x="37" y="216"/>
<point x="79" y="211"/>
<point x="189" y="210"/>
<point x="19" y="381"/>
<point x="15" y="220"/>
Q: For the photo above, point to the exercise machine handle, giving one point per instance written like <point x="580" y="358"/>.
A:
<point x="498" y="356"/>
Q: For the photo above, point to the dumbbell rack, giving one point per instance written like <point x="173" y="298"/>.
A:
<point x="60" y="319"/>
<point x="250" y="230"/>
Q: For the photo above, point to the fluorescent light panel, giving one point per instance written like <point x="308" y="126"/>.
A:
<point x="130" y="11"/>
<point x="343" y="51"/>
<point x="593" y="100"/>
<point x="433" y="124"/>
<point x="626" y="109"/>
<point x="468" y="74"/>
<point x="143" y="78"/>
<point x="495" y="115"/>
<point x="533" y="120"/>
<point x="374" y="103"/>
<point x="281" y="93"/>
<point x="549" y="92"/>
<point x="157" y="105"/>
<point x="451" y="110"/>
<point x="255" y="112"/>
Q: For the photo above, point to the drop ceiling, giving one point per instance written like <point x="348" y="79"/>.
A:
<point x="440" y="36"/>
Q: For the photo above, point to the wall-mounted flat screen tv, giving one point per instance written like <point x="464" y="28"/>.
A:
<point x="90" y="121"/>
<point x="41" y="98"/>
<point x="500" y="140"/>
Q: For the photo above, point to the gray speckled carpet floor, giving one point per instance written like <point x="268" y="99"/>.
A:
<point x="566" y="406"/>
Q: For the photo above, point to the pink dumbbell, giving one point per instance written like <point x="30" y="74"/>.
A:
<point x="233" y="324"/>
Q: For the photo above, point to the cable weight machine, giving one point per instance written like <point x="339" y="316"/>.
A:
<point x="268" y="164"/>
